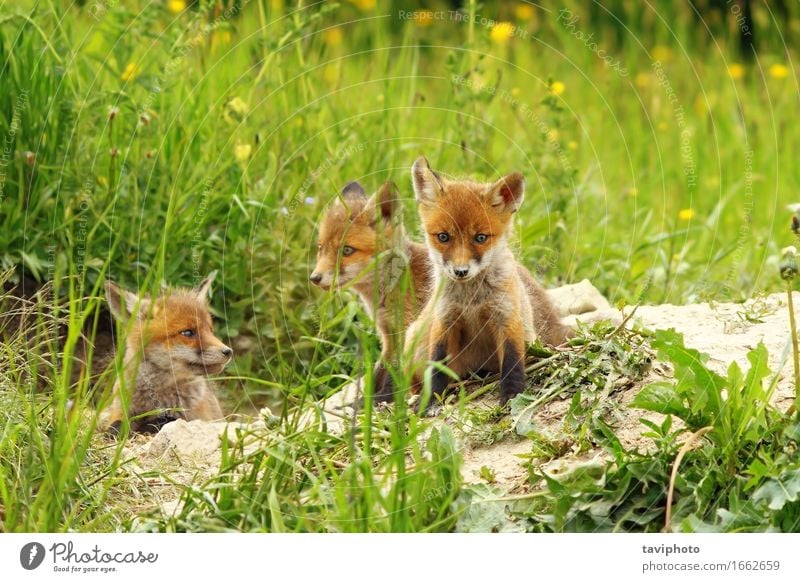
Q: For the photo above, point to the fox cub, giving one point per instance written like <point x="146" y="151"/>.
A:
<point x="362" y="245"/>
<point x="486" y="306"/>
<point x="169" y="354"/>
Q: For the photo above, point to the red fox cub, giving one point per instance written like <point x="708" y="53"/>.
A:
<point x="362" y="245"/>
<point x="169" y="354"/>
<point x="486" y="306"/>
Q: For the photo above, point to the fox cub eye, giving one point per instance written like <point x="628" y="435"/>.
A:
<point x="188" y="333"/>
<point x="443" y="237"/>
<point x="481" y="238"/>
<point x="347" y="251"/>
<point x="319" y="247"/>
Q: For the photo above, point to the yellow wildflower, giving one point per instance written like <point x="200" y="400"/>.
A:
<point x="333" y="36"/>
<point x="235" y="110"/>
<point x="557" y="87"/>
<point x="515" y="92"/>
<point x="478" y="83"/>
<point x="220" y="37"/>
<point x="176" y="6"/>
<point x="524" y="11"/>
<point x="552" y="135"/>
<point x="663" y="126"/>
<point x="661" y="53"/>
<point x="502" y="32"/>
<point x="331" y="73"/>
<point x="778" y="71"/>
<point x="642" y="80"/>
<point x="632" y="192"/>
<point x="686" y="214"/>
<point x="573" y="145"/>
<point x="364" y="4"/>
<point x="242" y="153"/>
<point x="130" y="72"/>
<point x="705" y="104"/>
<point x="735" y="71"/>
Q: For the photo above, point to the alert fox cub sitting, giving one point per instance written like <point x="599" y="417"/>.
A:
<point x="362" y="245"/>
<point x="485" y="306"/>
<point x="169" y="354"/>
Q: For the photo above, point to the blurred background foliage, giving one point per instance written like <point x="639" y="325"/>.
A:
<point x="152" y="142"/>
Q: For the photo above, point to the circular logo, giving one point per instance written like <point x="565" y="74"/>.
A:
<point x="31" y="555"/>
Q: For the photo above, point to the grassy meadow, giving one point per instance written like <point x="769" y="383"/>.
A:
<point x="152" y="142"/>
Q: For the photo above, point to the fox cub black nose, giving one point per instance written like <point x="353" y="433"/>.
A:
<point x="315" y="277"/>
<point x="227" y="351"/>
<point x="461" y="273"/>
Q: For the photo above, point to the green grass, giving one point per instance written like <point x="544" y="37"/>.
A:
<point x="226" y="138"/>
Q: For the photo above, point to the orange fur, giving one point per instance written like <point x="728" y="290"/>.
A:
<point x="170" y="351"/>
<point x="486" y="305"/>
<point x="362" y="246"/>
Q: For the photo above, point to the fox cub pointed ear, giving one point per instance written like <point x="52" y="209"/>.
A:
<point x="203" y="288"/>
<point x="353" y="191"/>
<point x="508" y="192"/>
<point x="427" y="183"/>
<point x="387" y="200"/>
<point x="123" y="303"/>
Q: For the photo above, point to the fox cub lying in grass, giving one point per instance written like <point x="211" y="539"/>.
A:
<point x="359" y="242"/>
<point x="486" y="306"/>
<point x="169" y="354"/>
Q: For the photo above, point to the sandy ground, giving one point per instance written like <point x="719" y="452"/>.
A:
<point x="722" y="331"/>
<point x="726" y="332"/>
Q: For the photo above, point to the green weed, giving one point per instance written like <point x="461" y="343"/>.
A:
<point x="151" y="148"/>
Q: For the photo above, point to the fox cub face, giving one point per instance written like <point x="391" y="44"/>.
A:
<point x="352" y="232"/>
<point x="466" y="223"/>
<point x="174" y="330"/>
